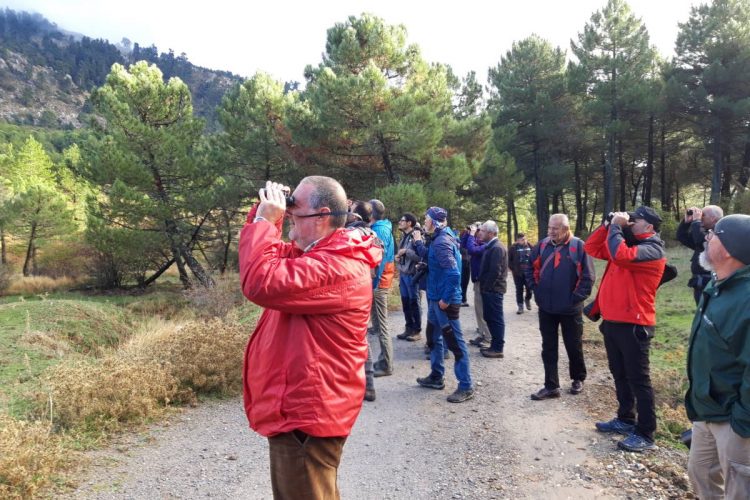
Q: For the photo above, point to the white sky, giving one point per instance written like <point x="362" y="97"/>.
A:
<point x="281" y="37"/>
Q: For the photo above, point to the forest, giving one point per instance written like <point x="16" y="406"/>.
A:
<point x="148" y="183"/>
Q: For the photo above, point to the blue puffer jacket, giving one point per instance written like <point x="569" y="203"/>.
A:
<point x="444" y="264"/>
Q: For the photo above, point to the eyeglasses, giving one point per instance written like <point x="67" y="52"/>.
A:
<point x="711" y="233"/>
<point x="402" y="220"/>
<point x="317" y="214"/>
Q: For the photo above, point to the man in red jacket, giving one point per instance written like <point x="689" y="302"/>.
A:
<point x="304" y="364"/>
<point x="627" y="301"/>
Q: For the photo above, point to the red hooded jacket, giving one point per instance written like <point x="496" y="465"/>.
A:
<point x="627" y="293"/>
<point x="304" y="363"/>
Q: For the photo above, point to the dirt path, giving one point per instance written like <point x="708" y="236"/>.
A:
<point x="409" y="444"/>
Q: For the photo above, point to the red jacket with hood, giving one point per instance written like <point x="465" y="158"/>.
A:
<point x="304" y="363"/>
<point x="627" y="293"/>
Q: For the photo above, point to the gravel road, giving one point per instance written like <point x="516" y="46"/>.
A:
<point x="409" y="444"/>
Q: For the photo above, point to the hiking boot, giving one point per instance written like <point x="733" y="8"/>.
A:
<point x="615" y="425"/>
<point x="545" y="393"/>
<point x="528" y="304"/>
<point x="491" y="353"/>
<point x="576" y="387"/>
<point x="520" y="309"/>
<point x="479" y="342"/>
<point x="413" y="336"/>
<point x="636" y="442"/>
<point x="459" y="396"/>
<point x="382" y="373"/>
<point x="431" y="383"/>
<point x="369" y="394"/>
<point x="404" y="335"/>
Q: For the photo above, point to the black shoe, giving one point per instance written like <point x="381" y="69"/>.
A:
<point x="576" y="387"/>
<point x="479" y="342"/>
<point x="413" y="336"/>
<point x="520" y="309"/>
<point x="431" y="383"/>
<point x="459" y="396"/>
<point x="464" y="304"/>
<point x="545" y="393"/>
<point x="528" y="304"/>
<point x="404" y="335"/>
<point x="369" y="394"/>
<point x="491" y="353"/>
<point x="382" y="373"/>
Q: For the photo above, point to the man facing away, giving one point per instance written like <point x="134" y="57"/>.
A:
<point x="718" y="366"/>
<point x="692" y="233"/>
<point x="561" y="275"/>
<point x="519" y="260"/>
<point x="493" y="283"/>
<point x="406" y="262"/>
<point x="627" y="300"/>
<point x="444" y="304"/>
<point x="381" y="284"/>
<point x="303" y="369"/>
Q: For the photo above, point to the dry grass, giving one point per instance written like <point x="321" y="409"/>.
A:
<point x="219" y="300"/>
<point x="33" y="285"/>
<point x="30" y="456"/>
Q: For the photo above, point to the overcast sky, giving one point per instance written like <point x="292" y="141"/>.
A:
<point x="282" y="36"/>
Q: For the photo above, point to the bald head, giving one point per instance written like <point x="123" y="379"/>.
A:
<point x="327" y="192"/>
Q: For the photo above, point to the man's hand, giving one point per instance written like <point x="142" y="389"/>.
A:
<point x="272" y="202"/>
<point x="473" y="229"/>
<point x="416" y="235"/>
<point x="697" y="213"/>
<point x="443" y="305"/>
<point x="401" y="252"/>
<point x="621" y="218"/>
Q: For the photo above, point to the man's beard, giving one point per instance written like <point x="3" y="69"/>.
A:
<point x="704" y="261"/>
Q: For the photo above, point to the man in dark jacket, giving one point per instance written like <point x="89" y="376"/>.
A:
<point x="561" y="275"/>
<point x="493" y="283"/>
<point x="519" y="260"/>
<point x="475" y="246"/>
<point x="627" y="301"/>
<point x="692" y="233"/>
<point x="406" y="261"/>
<point x="718" y="397"/>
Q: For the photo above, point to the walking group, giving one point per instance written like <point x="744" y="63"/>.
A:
<point x="304" y="362"/>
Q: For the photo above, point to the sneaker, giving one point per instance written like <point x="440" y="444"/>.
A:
<point x="576" y="387"/>
<point x="431" y="383"/>
<point x="382" y="373"/>
<point x="615" y="425"/>
<point x="369" y="394"/>
<point x="479" y="342"/>
<point x="491" y="353"/>
<point x="636" y="442"/>
<point x="413" y="336"/>
<point x="404" y="335"/>
<point x="545" y="393"/>
<point x="459" y="396"/>
<point x="528" y="304"/>
<point x="520" y="309"/>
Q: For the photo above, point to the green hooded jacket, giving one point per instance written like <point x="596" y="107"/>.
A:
<point x="718" y="363"/>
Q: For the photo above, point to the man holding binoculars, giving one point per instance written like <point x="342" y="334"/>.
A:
<point x="304" y="364"/>
<point x="692" y="233"/>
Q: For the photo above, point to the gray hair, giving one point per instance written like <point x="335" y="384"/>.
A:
<point x="562" y="218"/>
<point x="490" y="227"/>
<point x="328" y="193"/>
<point x="714" y="211"/>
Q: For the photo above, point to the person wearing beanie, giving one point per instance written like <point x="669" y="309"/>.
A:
<point x="718" y="363"/>
<point x="444" y="304"/>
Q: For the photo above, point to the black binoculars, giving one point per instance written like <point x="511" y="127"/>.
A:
<point x="287" y="195"/>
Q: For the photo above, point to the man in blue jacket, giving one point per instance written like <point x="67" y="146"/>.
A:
<point x="444" y="304"/>
<point x="561" y="276"/>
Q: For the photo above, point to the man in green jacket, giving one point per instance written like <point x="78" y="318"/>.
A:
<point x="718" y="397"/>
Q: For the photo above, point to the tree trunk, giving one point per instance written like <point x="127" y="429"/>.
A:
<point x="3" y="247"/>
<point x="623" y="175"/>
<point x="648" y="177"/>
<point x="718" y="169"/>
<point x="609" y="183"/>
<point x="509" y="220"/>
<point x="593" y="212"/>
<point x="227" y="244"/>
<point x="158" y="273"/>
<point x="744" y="174"/>
<point x="514" y="214"/>
<point x="580" y="213"/>
<point x="726" y="181"/>
<point x="201" y="275"/>
<point x="666" y="192"/>
<point x="542" y="208"/>
<point x="29" y="251"/>
<point x="385" y="154"/>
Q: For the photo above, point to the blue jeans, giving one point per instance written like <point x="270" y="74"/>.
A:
<point x="450" y="328"/>
<point x="410" y="302"/>
<point x="492" y="310"/>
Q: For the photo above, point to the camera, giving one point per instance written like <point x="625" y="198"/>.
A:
<point x="287" y="195"/>
<point x="690" y="212"/>
<point x="421" y="270"/>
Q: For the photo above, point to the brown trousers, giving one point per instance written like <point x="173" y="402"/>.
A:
<point x="304" y="467"/>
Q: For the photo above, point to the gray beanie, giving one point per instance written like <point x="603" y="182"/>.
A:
<point x="734" y="233"/>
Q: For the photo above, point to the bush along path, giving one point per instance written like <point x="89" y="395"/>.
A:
<point x="411" y="443"/>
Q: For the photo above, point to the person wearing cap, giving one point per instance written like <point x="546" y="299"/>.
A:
<point x="627" y="300"/>
<point x="381" y="285"/>
<point x="692" y="233"/>
<point x="444" y="304"/>
<point x="718" y="366"/>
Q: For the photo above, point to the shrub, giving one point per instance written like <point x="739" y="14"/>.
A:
<point x="65" y="258"/>
<point x="5" y="277"/>
<point x="219" y="300"/>
<point x="29" y="456"/>
<point x="33" y="285"/>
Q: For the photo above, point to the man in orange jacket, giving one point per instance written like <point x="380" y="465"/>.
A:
<point x="304" y="364"/>
<point x="627" y="300"/>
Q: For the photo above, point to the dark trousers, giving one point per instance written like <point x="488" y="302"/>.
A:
<point x="571" y="326"/>
<point x="492" y="311"/>
<point x="304" y="467"/>
<point x="465" y="276"/>
<point x="410" y="302"/>
<point x="627" y="348"/>
<point x="520" y="282"/>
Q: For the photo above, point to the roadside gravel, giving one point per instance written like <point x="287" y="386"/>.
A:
<point x="410" y="443"/>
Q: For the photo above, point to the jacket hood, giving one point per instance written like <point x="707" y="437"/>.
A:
<point x="361" y="245"/>
<point x="384" y="223"/>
